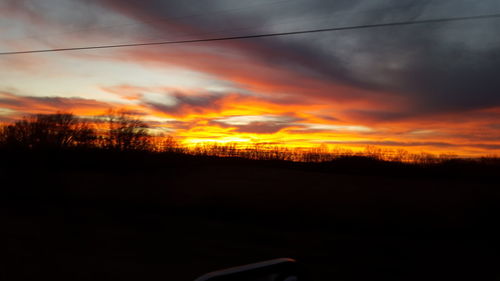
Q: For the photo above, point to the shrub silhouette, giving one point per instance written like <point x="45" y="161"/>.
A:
<point x="125" y="132"/>
<point x="53" y="131"/>
<point x="121" y="132"/>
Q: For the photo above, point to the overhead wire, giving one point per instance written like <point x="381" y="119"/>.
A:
<point x="262" y="35"/>
<point x="220" y="32"/>
<point x="154" y="20"/>
<point x="324" y="19"/>
<point x="200" y="15"/>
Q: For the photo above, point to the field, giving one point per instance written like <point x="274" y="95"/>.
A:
<point x="143" y="216"/>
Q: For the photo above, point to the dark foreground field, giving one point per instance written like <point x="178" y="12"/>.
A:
<point x="105" y="216"/>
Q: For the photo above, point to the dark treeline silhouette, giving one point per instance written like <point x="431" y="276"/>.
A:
<point x="121" y="131"/>
<point x="121" y="141"/>
<point x="55" y="131"/>
<point x="115" y="130"/>
<point x="103" y="199"/>
<point x="124" y="132"/>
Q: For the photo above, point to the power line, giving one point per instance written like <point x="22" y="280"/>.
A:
<point x="147" y="21"/>
<point x="440" y="20"/>
<point x="280" y="23"/>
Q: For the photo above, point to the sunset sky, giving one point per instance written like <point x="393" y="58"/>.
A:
<point x="429" y="87"/>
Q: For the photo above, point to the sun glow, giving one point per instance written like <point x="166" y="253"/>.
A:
<point x="253" y="94"/>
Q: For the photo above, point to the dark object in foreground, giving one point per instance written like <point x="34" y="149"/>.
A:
<point x="283" y="269"/>
<point x="94" y="215"/>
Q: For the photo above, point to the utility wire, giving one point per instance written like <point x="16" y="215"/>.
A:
<point x="439" y="20"/>
<point x="213" y="33"/>
<point x="148" y="21"/>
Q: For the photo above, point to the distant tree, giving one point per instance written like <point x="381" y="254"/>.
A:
<point x="126" y="132"/>
<point x="52" y="131"/>
<point x="171" y="145"/>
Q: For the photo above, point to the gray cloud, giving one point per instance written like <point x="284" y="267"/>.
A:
<point x="185" y="103"/>
<point x="430" y="67"/>
<point x="262" y="127"/>
<point x="435" y="67"/>
<point x="25" y="104"/>
<point x="11" y="102"/>
<point x="264" y="124"/>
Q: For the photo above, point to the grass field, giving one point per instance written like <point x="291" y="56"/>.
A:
<point x="140" y="216"/>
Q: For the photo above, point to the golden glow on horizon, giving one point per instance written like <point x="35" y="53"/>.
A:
<point x="244" y="121"/>
<point x="248" y="121"/>
<point x="246" y="92"/>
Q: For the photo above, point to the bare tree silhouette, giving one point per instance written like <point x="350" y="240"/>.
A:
<point x="126" y="132"/>
<point x="170" y="144"/>
<point x="53" y="131"/>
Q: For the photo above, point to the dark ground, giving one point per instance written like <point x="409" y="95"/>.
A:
<point x="105" y="216"/>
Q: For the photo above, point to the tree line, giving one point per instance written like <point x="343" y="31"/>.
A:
<point x="116" y="130"/>
<point x="121" y="131"/>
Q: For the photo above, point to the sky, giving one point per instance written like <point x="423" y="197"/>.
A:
<point x="424" y="88"/>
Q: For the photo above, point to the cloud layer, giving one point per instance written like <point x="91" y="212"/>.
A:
<point x="427" y="85"/>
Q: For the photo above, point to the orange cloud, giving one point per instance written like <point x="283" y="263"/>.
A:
<point x="25" y="105"/>
<point x="252" y="119"/>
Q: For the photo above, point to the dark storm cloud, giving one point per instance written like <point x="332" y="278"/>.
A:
<point x="262" y="127"/>
<point x="432" y="67"/>
<point x="185" y="104"/>
<point x="379" y="115"/>
<point x="268" y="124"/>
